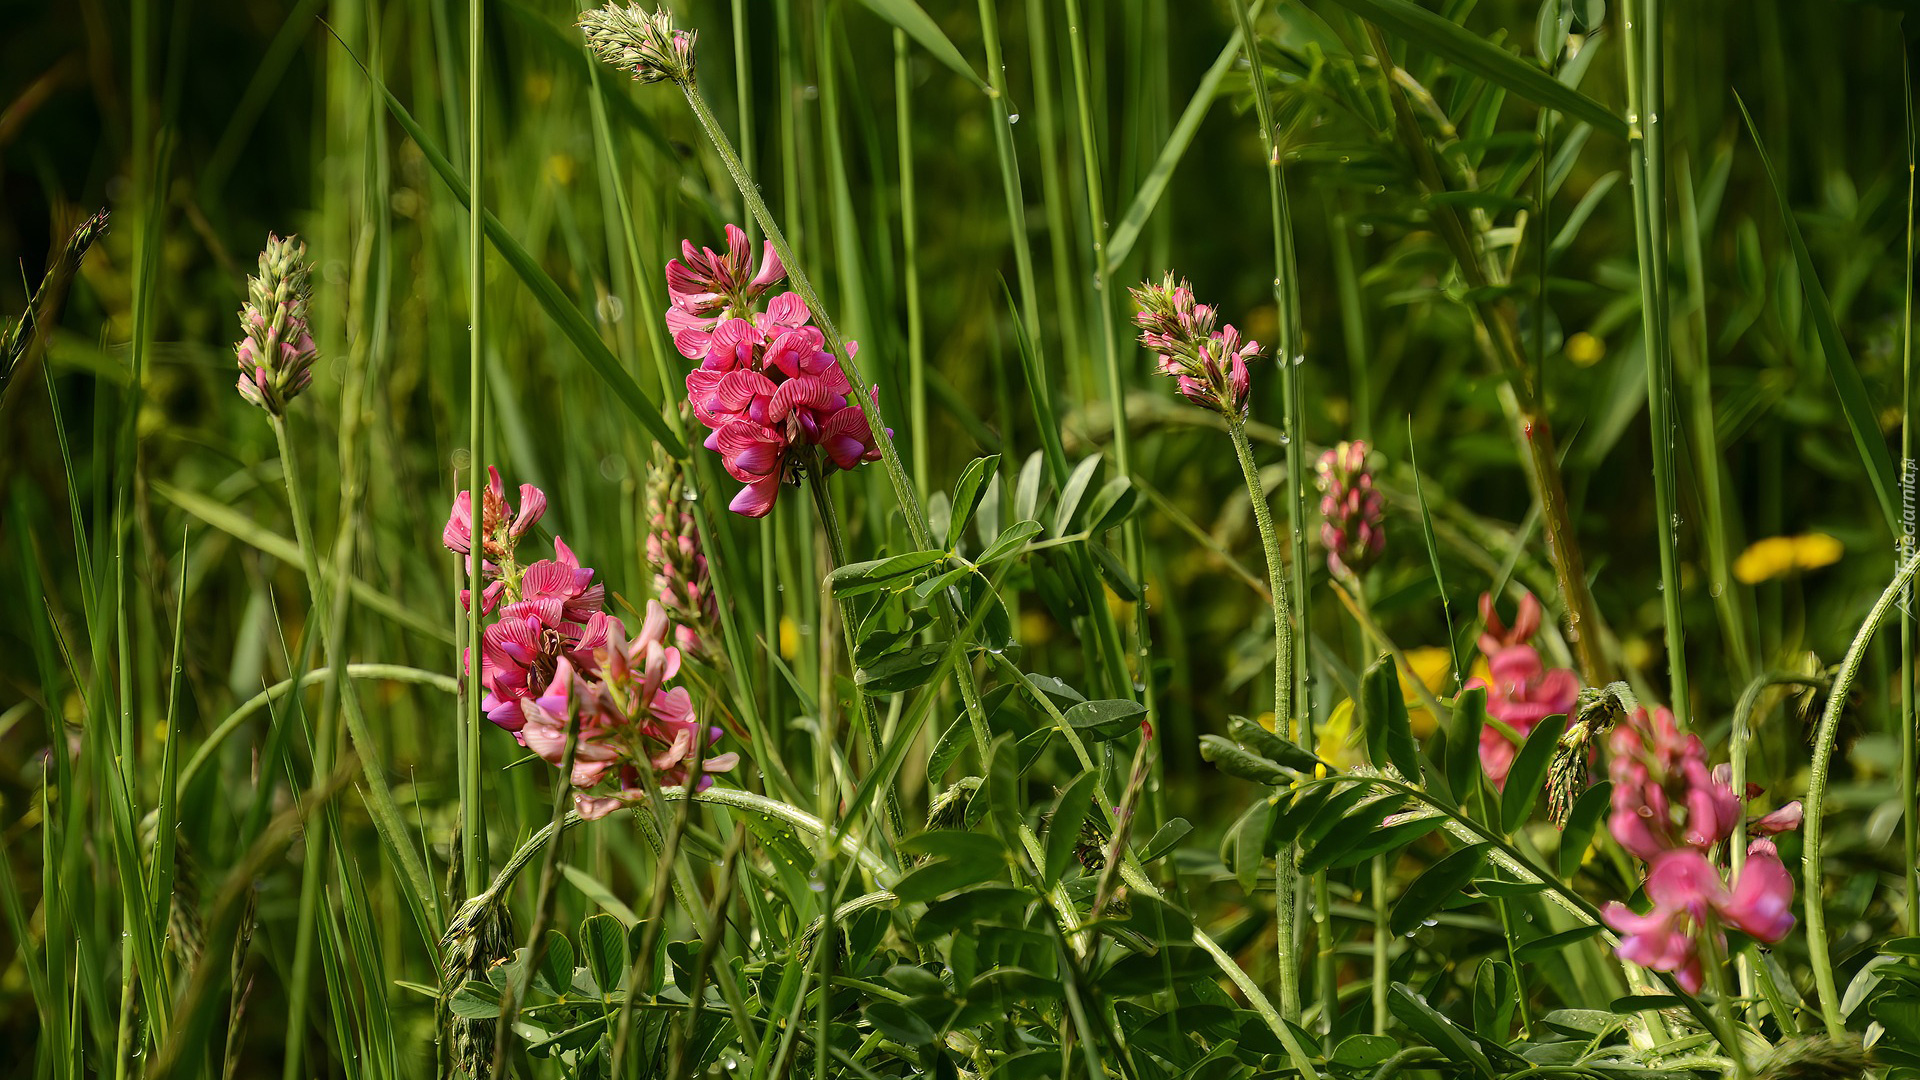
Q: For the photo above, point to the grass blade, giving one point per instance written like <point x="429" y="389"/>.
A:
<point x="1445" y="38"/>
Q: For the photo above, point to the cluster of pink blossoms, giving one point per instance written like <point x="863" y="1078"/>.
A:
<point x="1673" y="813"/>
<point x="1210" y="365"/>
<point x="550" y="643"/>
<point x="276" y="355"/>
<point x="1354" y="524"/>
<point x="773" y="397"/>
<point x="1521" y="689"/>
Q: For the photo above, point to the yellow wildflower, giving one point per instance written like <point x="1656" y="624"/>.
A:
<point x="1338" y="743"/>
<point x="1778" y="556"/>
<point x="1584" y="349"/>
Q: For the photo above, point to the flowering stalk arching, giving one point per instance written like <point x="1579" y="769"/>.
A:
<point x="641" y="41"/>
<point x="773" y="397"/>
<point x="1674" y="813"/>
<point x="276" y="355"/>
<point x="1521" y="689"/>
<point x="1354" y="529"/>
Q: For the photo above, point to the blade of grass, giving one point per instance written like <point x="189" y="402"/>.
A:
<point x="911" y="18"/>
<point x="1847" y="384"/>
<point x="1645" y="138"/>
<point x="237" y="525"/>
<point x="1446" y="38"/>
<point x="545" y="290"/>
<point x="1155" y="184"/>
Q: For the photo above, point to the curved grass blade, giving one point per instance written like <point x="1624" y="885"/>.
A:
<point x="1449" y="40"/>
<point x="545" y="290"/>
<point x="912" y="18"/>
<point x="1846" y="377"/>
<point x="1120" y="244"/>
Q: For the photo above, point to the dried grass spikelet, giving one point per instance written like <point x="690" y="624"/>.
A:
<point x="479" y="936"/>
<point x="1597" y="710"/>
<point x="1815" y="1058"/>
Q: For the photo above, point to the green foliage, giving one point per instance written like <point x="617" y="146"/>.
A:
<point x="1011" y="799"/>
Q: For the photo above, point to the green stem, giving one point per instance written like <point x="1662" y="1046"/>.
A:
<point x="1533" y="430"/>
<point x="1909" y="721"/>
<point x="1818" y="948"/>
<point x="1737" y="745"/>
<point x="380" y="804"/>
<point x="1134" y="547"/>
<point x="1645" y="155"/>
<point x="1283" y="887"/>
<point x="1725" y="1029"/>
<point x="837" y="549"/>
<point x="473" y="823"/>
<point x="516" y="990"/>
<point x="1286" y="296"/>
<point x="1382" y="937"/>
<point x="910" y="239"/>
<point x="312" y="870"/>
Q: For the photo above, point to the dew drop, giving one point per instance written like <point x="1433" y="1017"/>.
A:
<point x="1013" y="118"/>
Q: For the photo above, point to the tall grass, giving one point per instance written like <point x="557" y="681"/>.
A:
<point x="1038" y="773"/>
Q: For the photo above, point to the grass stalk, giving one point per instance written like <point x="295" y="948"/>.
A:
<point x="1908" y="717"/>
<point x="1641" y="40"/>
<point x="910" y="268"/>
<point x="473" y="823"/>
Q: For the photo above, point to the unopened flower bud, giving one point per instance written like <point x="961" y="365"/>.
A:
<point x="276" y="355"/>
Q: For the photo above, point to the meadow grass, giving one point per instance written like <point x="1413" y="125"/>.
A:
<point x="1347" y="705"/>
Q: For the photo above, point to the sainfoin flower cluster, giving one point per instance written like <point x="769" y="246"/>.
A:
<point x="1521" y="689"/>
<point x="276" y="355"/>
<point x="551" y="650"/>
<point x="1674" y="813"/>
<point x="1353" y="527"/>
<point x="771" y="394"/>
<point x="1210" y="365"/>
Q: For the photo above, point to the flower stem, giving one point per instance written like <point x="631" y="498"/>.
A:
<point x="312" y="870"/>
<point x="516" y="990"/>
<point x="1286" y="297"/>
<point x="1283" y="886"/>
<point x="1725" y="1029"/>
<point x="1818" y="952"/>
<point x="837" y="551"/>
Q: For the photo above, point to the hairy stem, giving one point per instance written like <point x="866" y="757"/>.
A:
<point x="1283" y="886"/>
